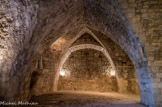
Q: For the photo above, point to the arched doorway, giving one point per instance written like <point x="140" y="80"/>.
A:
<point x="107" y="43"/>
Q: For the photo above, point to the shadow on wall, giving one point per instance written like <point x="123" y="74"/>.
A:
<point x="34" y="79"/>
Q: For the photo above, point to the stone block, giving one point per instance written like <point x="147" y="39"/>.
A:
<point x="154" y="2"/>
<point x="131" y="1"/>
<point x="159" y="75"/>
<point x="158" y="98"/>
<point x="133" y="5"/>
<point x="155" y="85"/>
<point x="158" y="63"/>
<point x="156" y="80"/>
<point x="159" y="85"/>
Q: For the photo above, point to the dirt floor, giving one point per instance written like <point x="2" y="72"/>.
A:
<point x="87" y="99"/>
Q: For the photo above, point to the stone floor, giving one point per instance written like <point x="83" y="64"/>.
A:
<point x="87" y="99"/>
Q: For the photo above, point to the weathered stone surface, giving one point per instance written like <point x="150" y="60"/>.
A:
<point x="21" y="41"/>
<point x="17" y="22"/>
<point x="87" y="70"/>
<point x="147" y="16"/>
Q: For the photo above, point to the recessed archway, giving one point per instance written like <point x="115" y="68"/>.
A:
<point x="136" y="65"/>
<point x="79" y="47"/>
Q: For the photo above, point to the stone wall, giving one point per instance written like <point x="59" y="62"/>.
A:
<point x="17" y="21"/>
<point x="42" y="76"/>
<point x="145" y="18"/>
<point x="124" y="66"/>
<point x="87" y="70"/>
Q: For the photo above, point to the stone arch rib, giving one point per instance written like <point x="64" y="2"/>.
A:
<point x="79" y="47"/>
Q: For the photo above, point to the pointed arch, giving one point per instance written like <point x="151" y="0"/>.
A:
<point x="79" y="47"/>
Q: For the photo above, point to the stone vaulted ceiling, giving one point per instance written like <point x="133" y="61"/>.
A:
<point x="42" y="22"/>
